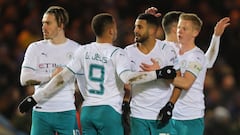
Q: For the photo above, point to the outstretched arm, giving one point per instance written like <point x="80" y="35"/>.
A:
<point x="56" y="83"/>
<point x="129" y="77"/>
<point x="213" y="49"/>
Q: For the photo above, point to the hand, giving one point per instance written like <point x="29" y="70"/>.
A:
<point x="56" y="71"/>
<point x="146" y="67"/>
<point x="167" y="72"/>
<point x="165" y="113"/>
<point x="27" y="104"/>
<point x="221" y="25"/>
<point x="126" y="117"/>
<point x="153" y="11"/>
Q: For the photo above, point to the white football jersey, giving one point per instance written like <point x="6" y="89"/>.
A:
<point x="43" y="57"/>
<point x="148" y="98"/>
<point x="175" y="46"/>
<point x="190" y="104"/>
<point x="102" y="64"/>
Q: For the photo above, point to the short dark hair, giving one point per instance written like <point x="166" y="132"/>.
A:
<point x="151" y="19"/>
<point x="60" y="14"/>
<point x="100" y="22"/>
<point x="169" y="19"/>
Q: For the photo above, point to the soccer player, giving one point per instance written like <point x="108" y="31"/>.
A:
<point x="43" y="59"/>
<point x="188" y="114"/>
<point x="106" y="68"/>
<point x="189" y="109"/>
<point x="147" y="98"/>
<point x="169" y="24"/>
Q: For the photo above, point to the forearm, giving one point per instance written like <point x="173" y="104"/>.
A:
<point x="127" y="93"/>
<point x="182" y="83"/>
<point x="213" y="50"/>
<point x="30" y="77"/>
<point x="175" y="95"/>
<point x="54" y="85"/>
<point x="129" y="77"/>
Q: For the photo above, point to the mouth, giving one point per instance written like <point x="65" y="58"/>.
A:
<point x="45" y="34"/>
<point x="179" y="36"/>
<point x="137" y="36"/>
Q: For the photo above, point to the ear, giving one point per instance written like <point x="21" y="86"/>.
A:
<point x="174" y="29"/>
<point x="111" y="31"/>
<point x="152" y="30"/>
<point x="61" y="27"/>
<point x="195" y="33"/>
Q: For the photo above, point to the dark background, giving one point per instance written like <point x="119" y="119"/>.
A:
<point x="20" y="24"/>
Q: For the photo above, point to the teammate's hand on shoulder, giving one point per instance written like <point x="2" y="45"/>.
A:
<point x="27" y="104"/>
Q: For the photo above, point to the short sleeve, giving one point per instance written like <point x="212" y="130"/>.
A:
<point x="122" y="61"/>
<point x="30" y="57"/>
<point x="195" y="63"/>
<point x="75" y="63"/>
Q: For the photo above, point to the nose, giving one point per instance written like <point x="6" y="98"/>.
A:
<point x="179" y="30"/>
<point x="43" y="25"/>
<point x="135" y="29"/>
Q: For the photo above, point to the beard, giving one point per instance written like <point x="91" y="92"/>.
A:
<point x="140" y="39"/>
<point x="46" y="36"/>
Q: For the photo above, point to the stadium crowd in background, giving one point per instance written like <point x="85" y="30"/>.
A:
<point x="20" y="24"/>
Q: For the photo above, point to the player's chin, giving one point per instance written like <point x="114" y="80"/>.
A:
<point x="137" y="39"/>
<point x="46" y="37"/>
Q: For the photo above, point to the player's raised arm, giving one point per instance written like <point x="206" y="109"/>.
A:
<point x="213" y="49"/>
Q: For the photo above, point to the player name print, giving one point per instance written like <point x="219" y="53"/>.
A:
<point x="96" y="57"/>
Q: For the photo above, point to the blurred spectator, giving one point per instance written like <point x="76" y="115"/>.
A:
<point x="219" y="122"/>
<point x="19" y="25"/>
<point x="6" y="106"/>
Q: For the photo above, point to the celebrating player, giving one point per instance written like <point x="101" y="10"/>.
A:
<point x="106" y="69"/>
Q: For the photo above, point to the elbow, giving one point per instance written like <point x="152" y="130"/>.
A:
<point x="22" y="81"/>
<point x="210" y="65"/>
<point x="124" y="77"/>
<point x="183" y="86"/>
<point x="25" y="81"/>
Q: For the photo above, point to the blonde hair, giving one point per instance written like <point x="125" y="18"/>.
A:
<point x="196" y="21"/>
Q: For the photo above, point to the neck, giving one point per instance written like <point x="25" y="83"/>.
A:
<point x="186" y="47"/>
<point x="171" y="37"/>
<point x="59" y="39"/>
<point x="147" y="46"/>
<point x="104" y="40"/>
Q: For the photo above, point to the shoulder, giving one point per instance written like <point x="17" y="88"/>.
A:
<point x="198" y="51"/>
<point x="131" y="47"/>
<point x="117" y="51"/>
<point x="166" y="48"/>
<point x="37" y="44"/>
<point x="84" y="48"/>
<point x="196" y="54"/>
<point x="164" y="45"/>
<point x="73" y="43"/>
